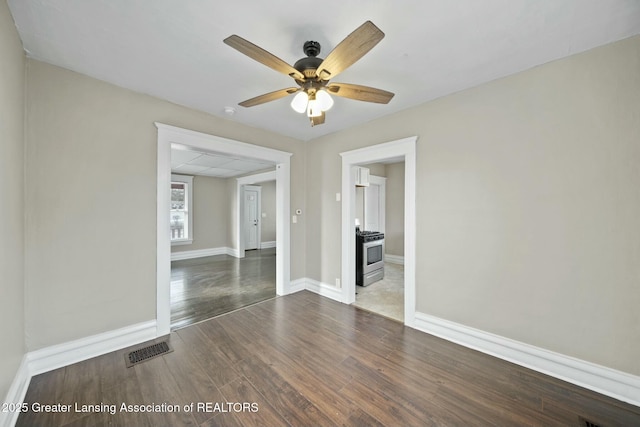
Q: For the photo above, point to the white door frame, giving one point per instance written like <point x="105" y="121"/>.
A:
<point x="168" y="135"/>
<point x="241" y="182"/>
<point x="406" y="148"/>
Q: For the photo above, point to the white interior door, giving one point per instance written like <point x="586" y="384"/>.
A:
<point x="374" y="204"/>
<point x="251" y="217"/>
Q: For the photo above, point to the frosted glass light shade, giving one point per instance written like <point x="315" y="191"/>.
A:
<point x="314" y="110"/>
<point x="299" y="102"/>
<point x="324" y="99"/>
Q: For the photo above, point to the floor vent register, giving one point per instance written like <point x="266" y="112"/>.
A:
<point x="147" y="353"/>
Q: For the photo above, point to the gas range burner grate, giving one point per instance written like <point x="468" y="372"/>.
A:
<point x="367" y="236"/>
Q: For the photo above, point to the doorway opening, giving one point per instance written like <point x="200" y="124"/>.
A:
<point x="380" y="211"/>
<point x="171" y="135"/>
<point x="252" y="224"/>
<point x="210" y="282"/>
<point x="394" y="151"/>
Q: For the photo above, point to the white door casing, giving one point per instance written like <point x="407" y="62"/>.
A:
<point x="168" y="135"/>
<point x="405" y="148"/>
<point x="240" y="184"/>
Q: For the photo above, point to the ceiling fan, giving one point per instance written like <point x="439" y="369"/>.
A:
<point x="312" y="74"/>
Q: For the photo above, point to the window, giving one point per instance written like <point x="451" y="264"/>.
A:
<point x="181" y="216"/>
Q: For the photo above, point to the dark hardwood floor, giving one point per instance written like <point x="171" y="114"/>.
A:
<point x="304" y="360"/>
<point x="206" y="287"/>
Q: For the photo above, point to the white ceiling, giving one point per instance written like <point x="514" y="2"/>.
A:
<point x="185" y="160"/>
<point x="174" y="50"/>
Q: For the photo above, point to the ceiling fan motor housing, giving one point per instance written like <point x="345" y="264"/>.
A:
<point x="311" y="48"/>
<point x="311" y="62"/>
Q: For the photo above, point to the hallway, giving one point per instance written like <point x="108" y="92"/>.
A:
<point x="202" y="288"/>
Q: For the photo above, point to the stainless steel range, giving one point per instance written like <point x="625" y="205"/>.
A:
<point x="369" y="257"/>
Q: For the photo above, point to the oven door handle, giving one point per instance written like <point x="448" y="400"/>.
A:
<point x="373" y="243"/>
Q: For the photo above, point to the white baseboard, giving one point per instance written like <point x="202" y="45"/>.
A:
<point x="199" y="253"/>
<point x="607" y="381"/>
<point x="323" y="289"/>
<point x="297" y="286"/>
<point x="267" y="245"/>
<point x="316" y="287"/>
<point x="223" y="250"/>
<point x="56" y="356"/>
<point x="233" y="252"/>
<point x="394" y="259"/>
<point x="59" y="355"/>
<point x="16" y="393"/>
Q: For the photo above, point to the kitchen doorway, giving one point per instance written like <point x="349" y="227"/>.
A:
<point x="403" y="149"/>
<point x="383" y="291"/>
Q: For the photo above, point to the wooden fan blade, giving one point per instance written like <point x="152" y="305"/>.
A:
<point x="360" y="93"/>
<point x="262" y="56"/>
<point x="317" y="120"/>
<point x="267" y="97"/>
<point x="349" y="50"/>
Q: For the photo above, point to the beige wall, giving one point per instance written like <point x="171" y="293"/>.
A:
<point x="527" y="205"/>
<point x="91" y="204"/>
<point x="376" y="169"/>
<point x="268" y="196"/>
<point x="210" y="214"/>
<point x="12" y="65"/>
<point x="394" y="210"/>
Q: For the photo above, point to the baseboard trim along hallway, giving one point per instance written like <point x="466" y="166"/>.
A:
<point x="223" y="250"/>
<point x="199" y="253"/>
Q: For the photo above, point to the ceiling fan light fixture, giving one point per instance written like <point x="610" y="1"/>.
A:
<point x="312" y="74"/>
<point x="314" y="109"/>
<point x="325" y="100"/>
<point x="299" y="102"/>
